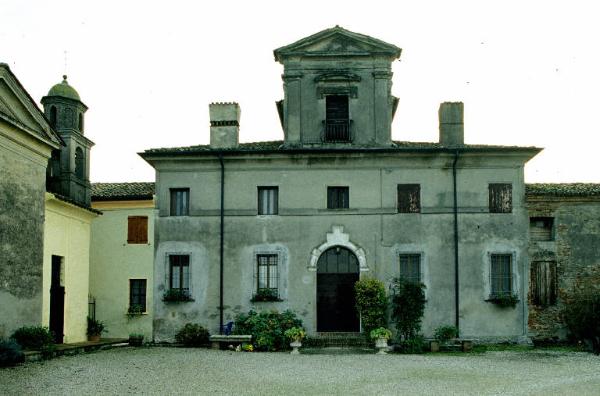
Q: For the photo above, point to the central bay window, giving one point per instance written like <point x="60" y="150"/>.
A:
<point x="409" y="198"/>
<point x="338" y="197"/>
<point x="179" y="273"/>
<point x="337" y="120"/>
<point x="268" y="200"/>
<point x="501" y="278"/>
<point x="267" y="274"/>
<point x="500" y="197"/>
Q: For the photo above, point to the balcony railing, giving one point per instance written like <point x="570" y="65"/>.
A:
<point x="337" y="131"/>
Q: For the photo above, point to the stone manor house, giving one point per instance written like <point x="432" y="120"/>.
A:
<point x="293" y="224"/>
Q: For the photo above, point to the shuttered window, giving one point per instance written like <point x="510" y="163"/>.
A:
<point x="500" y="195"/>
<point x="543" y="283"/>
<point x="501" y="275"/>
<point x="338" y="197"/>
<point x="409" y="198"/>
<point x="180" y="201"/>
<point x="337" y="123"/>
<point x="179" y="272"/>
<point x="541" y="228"/>
<point x="410" y="267"/>
<point x="268" y="200"/>
<point x="137" y="229"/>
<point x="267" y="273"/>
<point x="137" y="294"/>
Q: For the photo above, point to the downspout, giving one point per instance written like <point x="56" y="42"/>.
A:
<point x="222" y="235"/>
<point x="456" y="281"/>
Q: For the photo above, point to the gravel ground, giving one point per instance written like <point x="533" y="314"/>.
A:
<point x="202" y="371"/>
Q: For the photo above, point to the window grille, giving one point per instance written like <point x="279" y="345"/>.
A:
<point x="338" y="197"/>
<point x="180" y="201"/>
<point x="267" y="274"/>
<point x="337" y="121"/>
<point x="409" y="198"/>
<point x="500" y="195"/>
<point x="268" y="198"/>
<point x="137" y="229"/>
<point x="410" y="267"/>
<point x="179" y="272"/>
<point x="137" y="293"/>
<point x="501" y="275"/>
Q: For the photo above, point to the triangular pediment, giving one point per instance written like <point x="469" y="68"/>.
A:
<point x="338" y="42"/>
<point x="17" y="107"/>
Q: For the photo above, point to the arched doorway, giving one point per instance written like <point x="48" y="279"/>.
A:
<point x="337" y="272"/>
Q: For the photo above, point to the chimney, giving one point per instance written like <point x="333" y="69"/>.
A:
<point x="452" y="127"/>
<point x="224" y="125"/>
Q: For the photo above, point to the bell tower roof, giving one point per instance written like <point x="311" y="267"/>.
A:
<point x="64" y="90"/>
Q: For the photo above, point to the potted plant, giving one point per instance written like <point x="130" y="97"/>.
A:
<point x="296" y="335"/>
<point x="508" y="300"/>
<point x="265" y="295"/>
<point x="135" y="310"/>
<point x="136" y="339"/>
<point x="443" y="335"/>
<point x="94" y="329"/>
<point x="177" y="295"/>
<point x="381" y="335"/>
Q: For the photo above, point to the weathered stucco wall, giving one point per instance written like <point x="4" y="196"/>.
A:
<point x="113" y="262"/>
<point x="22" y="187"/>
<point x="67" y="234"/>
<point x="575" y="248"/>
<point x="371" y="223"/>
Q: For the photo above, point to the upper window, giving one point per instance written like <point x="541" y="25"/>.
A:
<point x="267" y="274"/>
<point x="137" y="229"/>
<point x="543" y="283"/>
<point x="137" y="294"/>
<point x="79" y="163"/>
<point x="80" y="122"/>
<point x="409" y="198"/>
<point x="268" y="200"/>
<point x="501" y="275"/>
<point x="500" y="197"/>
<point x="338" y="197"/>
<point x="53" y="116"/>
<point x="540" y="228"/>
<point x="410" y="267"/>
<point x="180" y="201"/>
<point x="179" y="272"/>
<point x="337" y="121"/>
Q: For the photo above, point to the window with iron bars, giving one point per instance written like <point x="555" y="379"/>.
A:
<point x="410" y="267"/>
<point x="337" y="120"/>
<point x="267" y="274"/>
<point x="501" y="277"/>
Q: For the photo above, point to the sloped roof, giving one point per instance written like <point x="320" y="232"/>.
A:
<point x="340" y="42"/>
<point x="563" y="189"/>
<point x="277" y="146"/>
<point x="122" y="191"/>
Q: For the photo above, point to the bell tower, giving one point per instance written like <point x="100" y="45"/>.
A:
<point x="69" y="168"/>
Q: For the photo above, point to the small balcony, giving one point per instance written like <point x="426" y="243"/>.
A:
<point x="337" y="131"/>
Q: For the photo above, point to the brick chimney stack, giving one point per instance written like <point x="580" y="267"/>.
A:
<point x="224" y="124"/>
<point x="452" y="127"/>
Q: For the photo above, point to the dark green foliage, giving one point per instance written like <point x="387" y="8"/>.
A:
<point x="33" y="337"/>
<point x="176" y="295"/>
<point x="413" y="345"/>
<point x="445" y="333"/>
<point x="371" y="303"/>
<point x="408" y="306"/>
<point x="267" y="328"/>
<point x="192" y="335"/>
<point x="505" y="300"/>
<point x="94" y="327"/>
<point x="10" y="353"/>
<point x="265" y="295"/>
<point x="582" y="316"/>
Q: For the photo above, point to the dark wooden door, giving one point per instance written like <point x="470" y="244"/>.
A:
<point x="337" y="272"/>
<point x="57" y="301"/>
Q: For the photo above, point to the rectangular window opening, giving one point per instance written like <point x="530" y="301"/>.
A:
<point x="267" y="273"/>
<point x="137" y="229"/>
<point x="541" y="228"/>
<point x="180" y="201"/>
<point x="338" y="197"/>
<point x="137" y="294"/>
<point x="268" y="200"/>
<point x="409" y="198"/>
<point x="501" y="275"/>
<point x="410" y="267"/>
<point x="179" y="272"/>
<point x="500" y="197"/>
<point x="543" y="283"/>
<point x="337" y="121"/>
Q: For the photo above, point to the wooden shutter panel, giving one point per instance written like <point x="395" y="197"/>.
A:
<point x="137" y="229"/>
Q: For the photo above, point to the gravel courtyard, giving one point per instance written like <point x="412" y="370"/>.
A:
<point x="203" y="371"/>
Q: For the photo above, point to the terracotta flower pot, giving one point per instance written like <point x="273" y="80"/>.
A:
<point x="94" y="338"/>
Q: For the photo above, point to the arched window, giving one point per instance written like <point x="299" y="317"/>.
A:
<point x="80" y="122"/>
<point x="79" y="163"/>
<point x="53" y="116"/>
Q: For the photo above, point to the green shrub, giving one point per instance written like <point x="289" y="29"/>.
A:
<point x="192" y="335"/>
<point x="445" y="333"/>
<point x="33" y="337"/>
<point x="380" y="332"/>
<point x="265" y="295"/>
<point x="371" y="303"/>
<point x="415" y="344"/>
<point x="267" y="328"/>
<point x="10" y="353"/>
<point x="295" y="333"/>
<point x="177" y="295"/>
<point x="408" y="306"/>
<point x="582" y="316"/>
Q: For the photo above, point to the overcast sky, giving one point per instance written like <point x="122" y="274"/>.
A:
<point x="527" y="71"/>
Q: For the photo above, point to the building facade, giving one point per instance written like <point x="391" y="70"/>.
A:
<point x="297" y="222"/>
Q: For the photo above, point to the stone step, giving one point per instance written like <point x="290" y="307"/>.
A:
<point x="336" y="339"/>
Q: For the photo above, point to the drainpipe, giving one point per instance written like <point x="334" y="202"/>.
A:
<point x="222" y="234"/>
<point x="456" y="282"/>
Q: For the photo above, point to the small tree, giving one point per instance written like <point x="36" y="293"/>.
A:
<point x="582" y="316"/>
<point x="408" y="306"/>
<point x="371" y="303"/>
